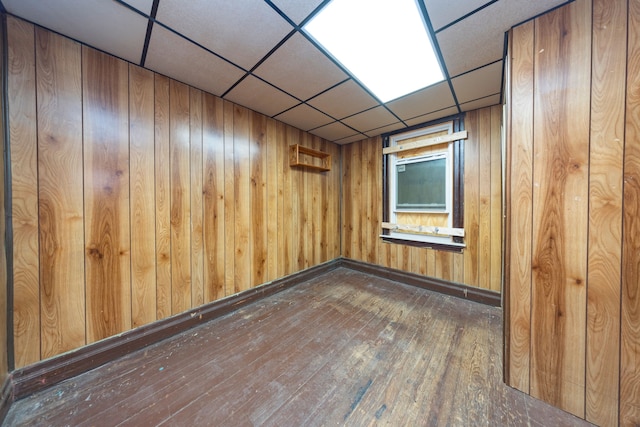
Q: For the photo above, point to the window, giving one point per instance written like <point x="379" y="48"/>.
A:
<point x="423" y="191"/>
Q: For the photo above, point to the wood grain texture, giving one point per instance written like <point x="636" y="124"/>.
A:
<point x="258" y="194"/>
<point x="605" y="211"/>
<point x="214" y="224"/>
<point x="196" y="198"/>
<point x="143" y="206"/>
<point x="229" y="200"/>
<point x="520" y="205"/>
<point x="106" y="190"/>
<point x="274" y="195"/>
<point x="180" y="168"/>
<point x="630" y="321"/>
<point x="242" y="199"/>
<point x="560" y="208"/>
<point x="24" y="191"/>
<point x="162" y="196"/>
<point x="495" y="260"/>
<point x="60" y="193"/>
<point x="484" y="199"/>
<point x="472" y="199"/>
<point x="5" y="332"/>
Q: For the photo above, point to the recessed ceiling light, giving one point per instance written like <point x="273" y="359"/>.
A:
<point x="382" y="43"/>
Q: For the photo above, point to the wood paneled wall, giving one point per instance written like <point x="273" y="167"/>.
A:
<point x="135" y="197"/>
<point x="573" y="264"/>
<point x="480" y="264"/>
<point x="4" y="345"/>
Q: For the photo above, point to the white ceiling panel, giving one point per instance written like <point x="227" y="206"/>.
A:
<point x="350" y="139"/>
<point x="260" y="96"/>
<point x="300" y="69"/>
<point x="388" y="128"/>
<point x="297" y="10"/>
<point x="430" y="99"/>
<point x="105" y="25"/>
<point x="304" y="117"/>
<point x="481" y="103"/>
<point x="443" y="12"/>
<point x="432" y="116"/>
<point x="143" y="6"/>
<point x="479" y="83"/>
<point x="242" y="31"/>
<point x="173" y="56"/>
<point x="334" y="131"/>
<point x="370" y="119"/>
<point x="344" y="100"/>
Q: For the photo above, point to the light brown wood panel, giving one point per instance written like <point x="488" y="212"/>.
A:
<point x="630" y="322"/>
<point x="484" y="199"/>
<point x="106" y="191"/>
<point x="605" y="207"/>
<point x="197" y="244"/>
<point x="242" y="199"/>
<point x="60" y="194"/>
<point x="229" y="200"/>
<point x="274" y="195"/>
<point x="368" y="187"/>
<point x="423" y="218"/>
<point x="495" y="196"/>
<point x="24" y="191"/>
<point x="4" y="300"/>
<point x="142" y="185"/>
<point x="348" y="199"/>
<point x="520" y="202"/>
<point x="305" y="199"/>
<point x="284" y="202"/>
<point x="297" y="209"/>
<point x="356" y="214"/>
<point x="179" y="142"/>
<point x="560" y="211"/>
<point x="258" y="194"/>
<point x="214" y="200"/>
<point x="472" y="199"/>
<point x="162" y="196"/>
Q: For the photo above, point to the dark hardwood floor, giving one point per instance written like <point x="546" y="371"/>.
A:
<point x="345" y="348"/>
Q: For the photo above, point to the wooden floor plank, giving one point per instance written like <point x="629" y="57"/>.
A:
<point x="342" y="348"/>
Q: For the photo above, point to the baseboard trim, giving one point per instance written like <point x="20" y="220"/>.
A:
<point x="6" y="398"/>
<point x="482" y="296"/>
<point x="44" y="374"/>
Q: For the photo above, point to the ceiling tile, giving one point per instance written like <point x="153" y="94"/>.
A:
<point x="432" y="116"/>
<point x="424" y="101"/>
<point x="143" y="6"/>
<point x="443" y="12"/>
<point x="297" y="10"/>
<point x="242" y="31"/>
<point x="344" y="100"/>
<point x="173" y="56"/>
<point x="300" y="69"/>
<point x="479" y="39"/>
<point x="260" y="96"/>
<point x="350" y="139"/>
<point x="479" y="83"/>
<point x="481" y="103"/>
<point x="388" y="128"/>
<point x="334" y="131"/>
<point x="370" y="119"/>
<point x="105" y="25"/>
<point x="304" y="117"/>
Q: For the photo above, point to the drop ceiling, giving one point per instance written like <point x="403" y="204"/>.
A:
<point x="255" y="53"/>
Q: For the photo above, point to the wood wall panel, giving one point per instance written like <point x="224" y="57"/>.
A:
<point x="166" y="196"/>
<point x="605" y="211"/>
<point x="142" y="211"/>
<point x="579" y="272"/>
<point x="60" y="192"/>
<point x="4" y="279"/>
<point x="24" y="191"/>
<point x="630" y="336"/>
<point x="362" y="210"/>
<point x="105" y="94"/>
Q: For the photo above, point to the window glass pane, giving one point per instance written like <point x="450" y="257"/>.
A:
<point x="422" y="185"/>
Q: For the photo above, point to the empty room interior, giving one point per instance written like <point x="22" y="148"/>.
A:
<point x="320" y="212"/>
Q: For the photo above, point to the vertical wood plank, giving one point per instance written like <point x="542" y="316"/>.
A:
<point x="366" y="188"/>
<point x="484" y="188"/>
<point x="258" y="196"/>
<point x="560" y="211"/>
<point x="162" y="196"/>
<point x="284" y="202"/>
<point x="356" y="211"/>
<point x="273" y="212"/>
<point x="180" y="197"/>
<point x="326" y="217"/>
<point x="229" y="201"/>
<point x="471" y="199"/>
<point x="605" y="208"/>
<point x="24" y="191"/>
<point x="59" y="87"/>
<point x="495" y="228"/>
<point x="142" y="185"/>
<point x="214" y="200"/>
<point x="196" y="165"/>
<point x="5" y="333"/>
<point x="106" y="183"/>
<point x="347" y="200"/>
<point x="242" y="205"/>
<point x="520" y="205"/>
<point x="630" y="331"/>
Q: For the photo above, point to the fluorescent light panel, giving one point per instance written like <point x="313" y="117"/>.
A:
<point x="383" y="43"/>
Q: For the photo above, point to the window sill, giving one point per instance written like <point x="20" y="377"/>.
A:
<point x="449" y="247"/>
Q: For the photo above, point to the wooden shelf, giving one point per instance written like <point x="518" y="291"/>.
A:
<point x="297" y="154"/>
